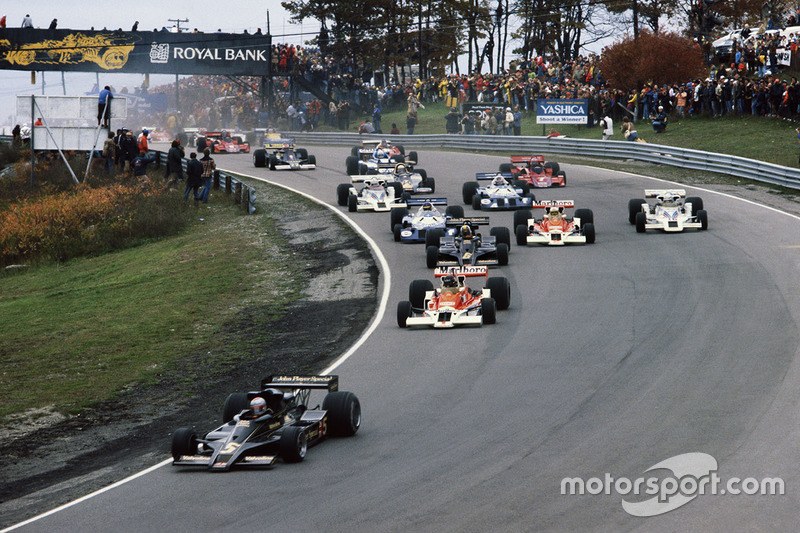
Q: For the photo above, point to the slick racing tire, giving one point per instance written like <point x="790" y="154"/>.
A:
<point x="522" y="235"/>
<point x="342" y="192"/>
<point x="501" y="235"/>
<point x="634" y="206"/>
<point x="502" y="254"/>
<point x="351" y="164"/>
<point x="398" y="189"/>
<point x="273" y="162"/>
<point x="588" y="232"/>
<point x="398" y="231"/>
<point x="702" y="217"/>
<point x="302" y="153"/>
<point x="344" y="413"/>
<point x="422" y="172"/>
<point x="552" y="165"/>
<point x="489" y="310"/>
<point x="697" y="204"/>
<point x="500" y="289"/>
<point x="468" y="190"/>
<point x="476" y="202"/>
<point x="260" y="158"/>
<point x="432" y="256"/>
<point x="430" y="182"/>
<point x="586" y="216"/>
<point x="525" y="186"/>
<point x="401" y="149"/>
<point x="293" y="444"/>
<point x="184" y="442"/>
<point x="505" y="167"/>
<point x="641" y="220"/>
<point x="403" y="313"/>
<point x="433" y="237"/>
<point x="397" y="214"/>
<point x="417" y="290"/>
<point x="412" y="156"/>
<point x="312" y="160"/>
<point x="354" y="151"/>
<point x="455" y="211"/>
<point x="235" y="403"/>
<point x="201" y="144"/>
<point x="352" y="203"/>
<point x="398" y="159"/>
<point x="521" y="217"/>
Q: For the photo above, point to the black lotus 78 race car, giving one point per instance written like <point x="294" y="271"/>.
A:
<point x="275" y="421"/>
<point x="462" y="245"/>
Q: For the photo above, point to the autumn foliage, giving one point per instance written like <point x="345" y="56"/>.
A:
<point x="663" y="58"/>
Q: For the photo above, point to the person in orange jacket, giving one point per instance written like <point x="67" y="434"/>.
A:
<point x="142" y="141"/>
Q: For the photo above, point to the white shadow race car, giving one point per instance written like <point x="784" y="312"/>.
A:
<point x="554" y="228"/>
<point x="462" y="245"/>
<point x="535" y="171"/>
<point x="453" y="303"/>
<point x="378" y="157"/>
<point x="668" y="210"/>
<point x="427" y="224"/>
<point x="273" y="422"/>
<point x="502" y="192"/>
<point x="375" y="195"/>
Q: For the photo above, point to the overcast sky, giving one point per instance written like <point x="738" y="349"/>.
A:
<point x="232" y="16"/>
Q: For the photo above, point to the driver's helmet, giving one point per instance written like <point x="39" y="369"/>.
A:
<point x="498" y="181"/>
<point x="400" y="168"/>
<point x="258" y="405"/>
<point x="427" y="206"/>
<point x="449" y="281"/>
<point x="466" y="231"/>
<point x="671" y="200"/>
<point x="554" y="214"/>
<point x="380" y="154"/>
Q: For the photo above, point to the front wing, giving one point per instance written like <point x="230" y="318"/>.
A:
<point x="556" y="238"/>
<point x="294" y="165"/>
<point x="522" y="202"/>
<point x="446" y="318"/>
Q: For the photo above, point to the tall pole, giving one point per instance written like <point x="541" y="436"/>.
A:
<point x="33" y="103"/>
<point x="63" y="84"/>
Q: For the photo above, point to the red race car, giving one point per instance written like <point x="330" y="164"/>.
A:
<point x="221" y="142"/>
<point x="534" y="170"/>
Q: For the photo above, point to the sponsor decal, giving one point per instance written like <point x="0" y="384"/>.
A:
<point x="230" y="448"/>
<point x="159" y="53"/>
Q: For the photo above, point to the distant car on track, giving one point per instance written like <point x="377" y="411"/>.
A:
<point x="378" y="157"/>
<point x="463" y="245"/>
<point x="535" y="171"/>
<point x="502" y="192"/>
<point x="668" y="210"/>
<point x="220" y="142"/>
<point x="427" y="224"/>
<point x="375" y="195"/>
<point x="554" y="228"/>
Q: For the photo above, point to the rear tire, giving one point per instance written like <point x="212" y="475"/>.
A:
<point x="302" y="153"/>
<point x="505" y="168"/>
<point x="342" y="192"/>
<point x="455" y="211"/>
<point x="344" y="413"/>
<point x="634" y="206"/>
<point x="501" y="235"/>
<point x="502" y="254"/>
<point x="433" y="236"/>
<point x="417" y="290"/>
<point x="184" y="442"/>
<point x="260" y="158"/>
<point x="521" y="217"/>
<point x="397" y="214"/>
<point x="586" y="216"/>
<point x="641" y="220"/>
<point x="430" y="182"/>
<point x="468" y="190"/>
<point x="554" y="166"/>
<point x="351" y="164"/>
<point x="697" y="204"/>
<point x="293" y="444"/>
<point x="398" y="189"/>
<point x="489" y="310"/>
<point x="500" y="289"/>
<point x="235" y="403"/>
<point x="403" y="313"/>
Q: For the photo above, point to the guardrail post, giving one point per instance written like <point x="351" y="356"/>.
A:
<point x="216" y="180"/>
<point x="228" y="185"/>
<point x="237" y="198"/>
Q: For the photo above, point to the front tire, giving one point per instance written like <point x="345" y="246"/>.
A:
<point x="403" y="313"/>
<point x="433" y="237"/>
<point x="697" y="204"/>
<point x="702" y="216"/>
<point x="489" y="310"/>
<point x="397" y="214"/>
<point x="351" y="164"/>
<point x="588" y="232"/>
<point x="641" y="220"/>
<point x="521" y="233"/>
<point x="342" y="192"/>
<point x="293" y="444"/>
<point x="352" y="203"/>
<point x="184" y="442"/>
<point x="502" y="254"/>
<point x="398" y="231"/>
<point x="476" y="202"/>
<point x="344" y="413"/>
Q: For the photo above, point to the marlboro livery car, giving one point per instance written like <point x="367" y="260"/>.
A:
<point x="499" y="193"/>
<point x="221" y="142"/>
<point x="554" y="228"/>
<point x="427" y="224"/>
<point x="533" y="169"/>
<point x="453" y="303"/>
<point x="669" y="210"/>
<point x="462" y="245"/>
<point x="378" y="157"/>
<point x="274" y="421"/>
<point x="376" y="195"/>
<point x="285" y="158"/>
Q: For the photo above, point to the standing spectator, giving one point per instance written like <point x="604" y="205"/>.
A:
<point x="16" y="136"/>
<point x="660" y="122"/>
<point x="411" y="121"/>
<point x="376" y="118"/>
<point x="174" y="159"/>
<point x="194" y="177"/>
<point x="139" y="164"/>
<point x="332" y="114"/>
<point x="141" y="141"/>
<point x="104" y="106"/>
<point x="109" y="152"/>
<point x="499" y="118"/>
<point x="395" y="130"/>
<point x="468" y="124"/>
<point x="135" y="26"/>
<point x="129" y="149"/>
<point x="451" y="126"/>
<point x="53" y="24"/>
<point x="608" y="127"/>
<point x="291" y="113"/>
<point x="517" y="124"/>
<point x="118" y="149"/>
<point x="508" y="121"/>
<point x="38" y="122"/>
<point x="208" y="174"/>
<point x="343" y="114"/>
<point x="27" y="22"/>
<point x="3" y="22"/>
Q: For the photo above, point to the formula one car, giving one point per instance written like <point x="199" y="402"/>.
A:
<point x="453" y="303"/>
<point x="535" y="171"/>
<point x="413" y="181"/>
<point x="671" y="211"/>
<point x="462" y="245"/>
<point x="378" y="157"/>
<point x="499" y="194"/>
<point x="222" y="142"/>
<point x="554" y="229"/>
<point x="287" y="157"/>
<point x="376" y="195"/>
<point x="427" y="224"/>
<point x="274" y="421"/>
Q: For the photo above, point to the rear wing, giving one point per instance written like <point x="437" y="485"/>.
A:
<point x="527" y="159"/>
<point x="361" y="178"/>
<point x="413" y="202"/>
<point x="372" y="143"/>
<point x="554" y="203"/>
<point x="463" y="271"/>
<point x="330" y="382"/>
<point x="484" y="176"/>
<point x="653" y="193"/>
<point x="472" y="221"/>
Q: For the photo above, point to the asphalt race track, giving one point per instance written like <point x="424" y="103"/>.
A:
<point x="612" y="358"/>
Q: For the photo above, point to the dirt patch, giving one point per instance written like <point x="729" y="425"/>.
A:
<point x="56" y="459"/>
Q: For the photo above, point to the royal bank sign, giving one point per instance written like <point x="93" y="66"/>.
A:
<point x="140" y="52"/>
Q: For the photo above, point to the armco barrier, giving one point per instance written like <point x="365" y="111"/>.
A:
<point x="652" y="153"/>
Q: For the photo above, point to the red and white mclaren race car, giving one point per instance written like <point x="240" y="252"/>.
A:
<point x="453" y="303"/>
<point x="554" y="228"/>
<point x="534" y="170"/>
<point x="221" y="142"/>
